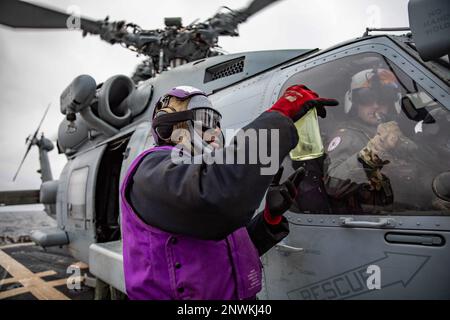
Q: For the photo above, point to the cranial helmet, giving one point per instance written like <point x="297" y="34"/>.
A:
<point x="372" y="85"/>
<point x="199" y="109"/>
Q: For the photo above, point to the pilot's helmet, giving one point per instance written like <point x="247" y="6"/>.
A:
<point x="371" y="85"/>
<point x="191" y="105"/>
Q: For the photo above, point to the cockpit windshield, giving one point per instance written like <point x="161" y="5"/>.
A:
<point x="387" y="145"/>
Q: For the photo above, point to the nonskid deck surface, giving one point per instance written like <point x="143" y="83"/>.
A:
<point x="28" y="272"/>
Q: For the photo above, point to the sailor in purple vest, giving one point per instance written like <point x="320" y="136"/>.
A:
<point x="189" y="229"/>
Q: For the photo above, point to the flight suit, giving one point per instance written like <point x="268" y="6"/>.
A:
<point x="343" y="151"/>
<point x="400" y="173"/>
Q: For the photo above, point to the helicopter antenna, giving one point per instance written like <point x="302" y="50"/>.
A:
<point x="31" y="141"/>
<point x="368" y="30"/>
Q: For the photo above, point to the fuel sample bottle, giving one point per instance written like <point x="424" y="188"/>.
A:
<point x="310" y="144"/>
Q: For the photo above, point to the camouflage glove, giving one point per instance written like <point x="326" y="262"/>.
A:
<point x="387" y="137"/>
<point x="370" y="158"/>
<point x="377" y="182"/>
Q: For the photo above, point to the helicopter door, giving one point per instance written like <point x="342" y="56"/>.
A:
<point x="348" y="241"/>
<point x="79" y="179"/>
<point x="106" y="261"/>
<point x="107" y="191"/>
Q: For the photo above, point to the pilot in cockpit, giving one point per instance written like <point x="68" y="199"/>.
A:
<point x="366" y="154"/>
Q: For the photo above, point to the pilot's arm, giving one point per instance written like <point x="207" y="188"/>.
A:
<point x="355" y="170"/>
<point x="343" y="151"/>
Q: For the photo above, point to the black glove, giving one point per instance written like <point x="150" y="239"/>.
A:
<point x="319" y="104"/>
<point x="280" y="197"/>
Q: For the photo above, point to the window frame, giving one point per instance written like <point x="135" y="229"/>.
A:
<point x="432" y="85"/>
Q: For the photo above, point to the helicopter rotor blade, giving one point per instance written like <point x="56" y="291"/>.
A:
<point x="255" y="6"/>
<point x="40" y="123"/>
<point x="19" y="14"/>
<point x="30" y="143"/>
<point x="31" y="140"/>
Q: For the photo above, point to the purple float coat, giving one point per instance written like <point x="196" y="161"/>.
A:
<point x="162" y="265"/>
<point x="189" y="230"/>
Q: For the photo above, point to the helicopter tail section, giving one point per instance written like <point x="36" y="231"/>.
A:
<point x="19" y="197"/>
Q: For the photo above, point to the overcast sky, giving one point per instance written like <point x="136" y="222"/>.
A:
<point x="35" y="66"/>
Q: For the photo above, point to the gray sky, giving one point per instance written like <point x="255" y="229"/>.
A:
<point x="35" y="66"/>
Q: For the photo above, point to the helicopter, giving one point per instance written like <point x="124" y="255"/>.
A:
<point x="328" y="254"/>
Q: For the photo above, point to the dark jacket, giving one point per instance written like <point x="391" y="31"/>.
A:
<point x="211" y="201"/>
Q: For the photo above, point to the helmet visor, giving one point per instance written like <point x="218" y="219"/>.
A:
<point x="386" y="95"/>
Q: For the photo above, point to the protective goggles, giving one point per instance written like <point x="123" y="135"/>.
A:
<point x="207" y="118"/>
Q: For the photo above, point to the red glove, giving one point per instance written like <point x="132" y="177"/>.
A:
<point x="298" y="100"/>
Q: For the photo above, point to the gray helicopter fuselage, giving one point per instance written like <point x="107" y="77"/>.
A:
<point x="325" y="256"/>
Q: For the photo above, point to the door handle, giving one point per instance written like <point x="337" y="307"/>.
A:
<point x="289" y="249"/>
<point x="351" y="223"/>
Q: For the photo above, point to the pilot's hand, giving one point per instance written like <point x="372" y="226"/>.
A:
<point x="298" y="100"/>
<point x="387" y="136"/>
<point x="280" y="197"/>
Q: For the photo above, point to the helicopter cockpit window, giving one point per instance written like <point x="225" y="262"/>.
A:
<point x="386" y="146"/>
